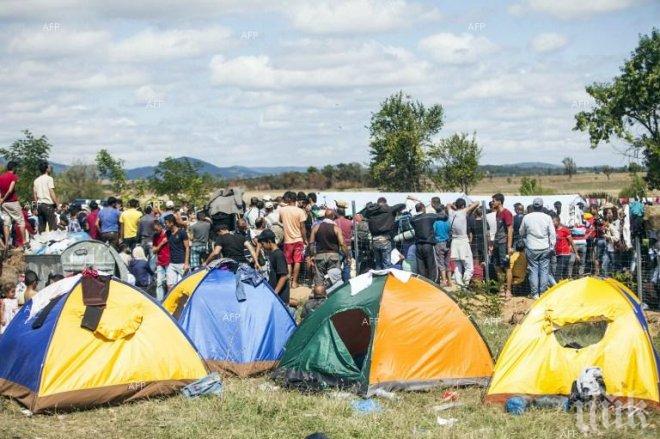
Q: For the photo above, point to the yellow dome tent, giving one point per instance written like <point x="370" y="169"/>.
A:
<point x="534" y="363"/>
<point x="86" y="340"/>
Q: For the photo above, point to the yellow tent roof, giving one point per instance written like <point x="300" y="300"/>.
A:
<point x="534" y="363"/>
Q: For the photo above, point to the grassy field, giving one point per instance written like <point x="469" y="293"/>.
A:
<point x="581" y="183"/>
<point x="253" y="409"/>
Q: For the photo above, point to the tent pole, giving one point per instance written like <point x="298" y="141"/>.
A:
<point x="484" y="227"/>
<point x="638" y="256"/>
<point x="356" y="244"/>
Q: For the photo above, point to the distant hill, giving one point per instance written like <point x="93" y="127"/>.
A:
<point x="247" y="172"/>
<point x="538" y="165"/>
<point x="228" y="172"/>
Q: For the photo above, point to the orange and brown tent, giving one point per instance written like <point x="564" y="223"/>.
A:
<point x="386" y="330"/>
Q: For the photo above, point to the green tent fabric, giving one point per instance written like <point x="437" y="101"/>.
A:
<point x="328" y="361"/>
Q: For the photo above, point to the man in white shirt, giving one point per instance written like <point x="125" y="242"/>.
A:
<point x="44" y="195"/>
<point x="538" y="232"/>
<point x="491" y="220"/>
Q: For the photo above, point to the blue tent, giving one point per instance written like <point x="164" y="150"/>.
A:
<point x="234" y="318"/>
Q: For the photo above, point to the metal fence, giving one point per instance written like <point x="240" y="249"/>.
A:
<point x="637" y="267"/>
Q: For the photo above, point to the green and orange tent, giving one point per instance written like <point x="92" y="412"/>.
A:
<point x="386" y="330"/>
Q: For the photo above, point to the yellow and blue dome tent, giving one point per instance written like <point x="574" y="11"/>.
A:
<point x="535" y="363"/>
<point x="90" y="340"/>
<point x="235" y="319"/>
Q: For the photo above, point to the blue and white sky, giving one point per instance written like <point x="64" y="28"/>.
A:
<point x="273" y="83"/>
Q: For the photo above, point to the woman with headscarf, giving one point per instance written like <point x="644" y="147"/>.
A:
<point x="139" y="267"/>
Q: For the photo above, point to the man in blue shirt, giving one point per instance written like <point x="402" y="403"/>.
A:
<point x="109" y="222"/>
<point x="442" y="231"/>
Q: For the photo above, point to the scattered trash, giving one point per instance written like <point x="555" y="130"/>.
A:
<point x="268" y="387"/>
<point x="516" y="405"/>
<point x="447" y="406"/>
<point x="446" y="422"/>
<point x="336" y="394"/>
<point x="381" y="393"/>
<point x="366" y="406"/>
<point x="209" y="385"/>
<point x="450" y="395"/>
<point x="552" y="402"/>
<point x="27" y="412"/>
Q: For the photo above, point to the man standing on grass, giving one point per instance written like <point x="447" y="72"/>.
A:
<point x="230" y="245"/>
<point x="146" y="230"/>
<point x="44" y="195"/>
<point x="538" y="231"/>
<point x="200" y="231"/>
<point x="460" y="251"/>
<point x="109" y="222"/>
<point x="161" y="249"/>
<point x="423" y="224"/>
<point x="381" y="220"/>
<point x="92" y="220"/>
<point x="293" y="220"/>
<point x="129" y="221"/>
<point x="11" y="207"/>
<point x="327" y="242"/>
<point x="278" y="276"/>
<point x="179" y="244"/>
<point x="346" y="227"/>
<point x="503" y="244"/>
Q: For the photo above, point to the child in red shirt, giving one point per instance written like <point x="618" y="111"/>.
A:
<point x="563" y="249"/>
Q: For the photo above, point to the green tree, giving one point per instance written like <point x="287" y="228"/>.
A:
<point x="400" y="135"/>
<point x="531" y="186"/>
<point x="634" y="168"/>
<point x="607" y="170"/>
<point x="79" y="181"/>
<point x="28" y="153"/>
<point x="457" y="158"/>
<point x="570" y="168"/>
<point x="628" y="107"/>
<point x="180" y="180"/>
<point x="635" y="189"/>
<point x="111" y="169"/>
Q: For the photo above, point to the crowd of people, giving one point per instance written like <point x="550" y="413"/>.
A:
<point x="292" y="240"/>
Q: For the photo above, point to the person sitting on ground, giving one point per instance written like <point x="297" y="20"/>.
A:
<point x="73" y="225"/>
<point x="278" y="277"/>
<point x="140" y="269"/>
<point x="517" y="273"/>
<point x="31" y="283"/>
<point x="8" y="305"/>
<point x="315" y="301"/>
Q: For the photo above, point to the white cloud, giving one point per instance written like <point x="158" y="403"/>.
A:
<point x="501" y="87"/>
<point x="548" y="42"/>
<point x="57" y="42"/>
<point x="357" y="16"/>
<point x="150" y="96"/>
<point x="377" y="65"/>
<point x="571" y="9"/>
<point x="451" y="48"/>
<point x="155" y="45"/>
<point x="70" y="10"/>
